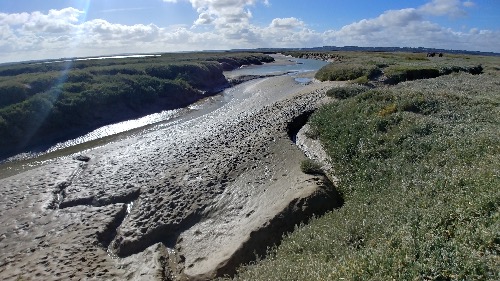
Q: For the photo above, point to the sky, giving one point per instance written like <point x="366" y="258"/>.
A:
<point x="46" y="29"/>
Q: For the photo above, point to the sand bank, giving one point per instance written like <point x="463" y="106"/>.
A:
<point x="189" y="201"/>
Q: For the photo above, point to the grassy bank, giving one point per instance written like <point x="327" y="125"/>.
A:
<point x="419" y="165"/>
<point x="42" y="102"/>
<point x="393" y="68"/>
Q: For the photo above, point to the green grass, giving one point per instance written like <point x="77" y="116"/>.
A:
<point x="419" y="169"/>
<point x="401" y="72"/>
<point x="346" y="92"/>
<point x="346" y="71"/>
<point x="362" y="80"/>
<point x="393" y="68"/>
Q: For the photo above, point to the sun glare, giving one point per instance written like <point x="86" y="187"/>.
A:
<point x="56" y="90"/>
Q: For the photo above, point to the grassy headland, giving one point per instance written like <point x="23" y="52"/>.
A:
<point x="43" y="102"/>
<point x="419" y="169"/>
<point x="392" y="68"/>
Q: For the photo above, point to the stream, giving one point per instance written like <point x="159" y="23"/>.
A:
<point x="158" y="121"/>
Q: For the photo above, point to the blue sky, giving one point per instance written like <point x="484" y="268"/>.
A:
<point x="37" y="29"/>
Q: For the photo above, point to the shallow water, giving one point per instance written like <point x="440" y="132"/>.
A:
<point x="303" y="80"/>
<point x="156" y="121"/>
<point x="293" y="66"/>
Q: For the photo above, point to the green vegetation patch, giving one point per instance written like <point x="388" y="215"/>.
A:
<point x="419" y="169"/>
<point x="45" y="101"/>
<point x="400" y="73"/>
<point x="346" y="92"/>
<point x="393" y="68"/>
<point x="309" y="166"/>
<point x="346" y="71"/>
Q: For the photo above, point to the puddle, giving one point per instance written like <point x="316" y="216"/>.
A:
<point x="303" y="80"/>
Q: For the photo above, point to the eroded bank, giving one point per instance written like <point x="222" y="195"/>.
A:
<point x="205" y="193"/>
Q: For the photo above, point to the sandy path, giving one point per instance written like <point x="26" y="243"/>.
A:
<point x="182" y="201"/>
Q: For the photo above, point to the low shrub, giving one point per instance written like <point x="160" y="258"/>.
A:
<point x="401" y="73"/>
<point x="346" y="92"/>
<point x="309" y="166"/>
<point x="421" y="190"/>
<point x="361" y="80"/>
<point x="346" y="71"/>
<point x="387" y="110"/>
<point x="12" y="92"/>
<point x="478" y="69"/>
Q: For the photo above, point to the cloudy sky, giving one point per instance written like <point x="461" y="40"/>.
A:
<point x="39" y="29"/>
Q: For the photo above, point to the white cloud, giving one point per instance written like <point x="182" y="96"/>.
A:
<point x="409" y="27"/>
<point x="394" y="27"/>
<point x="70" y="14"/>
<point x="13" y="19"/>
<point x="204" y="18"/>
<point x="286" y="23"/>
<point x="226" y="24"/>
<point x="223" y="12"/>
<point x="55" y="21"/>
<point x="398" y="17"/>
<point x="125" y="33"/>
<point x="451" y="8"/>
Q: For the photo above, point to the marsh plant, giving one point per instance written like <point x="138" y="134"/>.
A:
<point x="309" y="166"/>
<point x="346" y="92"/>
<point x="393" y="68"/>
<point x="419" y="167"/>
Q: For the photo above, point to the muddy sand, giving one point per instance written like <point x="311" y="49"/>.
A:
<point x="191" y="201"/>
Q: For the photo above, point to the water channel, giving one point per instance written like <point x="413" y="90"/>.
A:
<point x="156" y="121"/>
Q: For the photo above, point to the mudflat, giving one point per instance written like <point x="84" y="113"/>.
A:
<point x="188" y="202"/>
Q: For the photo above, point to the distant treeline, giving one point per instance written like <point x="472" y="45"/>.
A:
<point x="44" y="102"/>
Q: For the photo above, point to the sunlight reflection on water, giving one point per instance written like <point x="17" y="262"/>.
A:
<point x="297" y="66"/>
<point x="119" y="128"/>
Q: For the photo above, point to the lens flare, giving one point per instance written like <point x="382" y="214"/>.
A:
<point x="44" y="103"/>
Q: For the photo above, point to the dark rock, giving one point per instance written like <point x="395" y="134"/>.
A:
<point x="82" y="158"/>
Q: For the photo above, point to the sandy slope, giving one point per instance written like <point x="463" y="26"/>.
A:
<point x="190" y="201"/>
